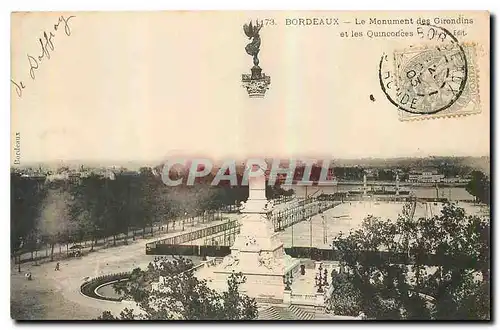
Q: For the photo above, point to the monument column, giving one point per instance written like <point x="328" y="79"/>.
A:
<point x="257" y="251"/>
<point x="397" y="183"/>
<point x="364" y="184"/>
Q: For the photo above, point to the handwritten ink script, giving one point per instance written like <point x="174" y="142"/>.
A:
<point x="46" y="48"/>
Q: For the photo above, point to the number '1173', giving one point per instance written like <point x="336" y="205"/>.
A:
<point x="267" y="21"/>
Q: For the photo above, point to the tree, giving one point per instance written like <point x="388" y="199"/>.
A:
<point x="353" y="173"/>
<point x="385" y="175"/>
<point x="181" y="296"/>
<point x="89" y="207"/>
<point x="147" y="189"/>
<point x="273" y="192"/>
<point x="347" y="297"/>
<point x="419" y="269"/>
<point x="479" y="186"/>
<point x="55" y="224"/>
<point x="26" y="199"/>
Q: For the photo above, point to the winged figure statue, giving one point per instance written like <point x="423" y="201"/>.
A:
<point x="252" y="32"/>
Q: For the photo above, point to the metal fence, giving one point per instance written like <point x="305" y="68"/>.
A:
<point x="288" y="217"/>
<point x="228" y="230"/>
<point x="194" y="235"/>
<point x="282" y="199"/>
<point x="226" y="238"/>
<point x="190" y="250"/>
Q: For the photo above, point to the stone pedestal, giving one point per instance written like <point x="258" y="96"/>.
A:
<point x="320" y="300"/>
<point x="287" y="297"/>
<point x="257" y="251"/>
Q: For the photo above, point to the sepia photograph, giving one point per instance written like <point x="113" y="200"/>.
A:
<point x="250" y="165"/>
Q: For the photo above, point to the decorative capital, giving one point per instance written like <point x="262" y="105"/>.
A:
<point x="256" y="88"/>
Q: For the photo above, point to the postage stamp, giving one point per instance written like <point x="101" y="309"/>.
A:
<point x="459" y="101"/>
<point x="434" y="81"/>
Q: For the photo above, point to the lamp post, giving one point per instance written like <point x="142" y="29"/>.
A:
<point x="38" y="241"/>
<point x="21" y="243"/>
<point x="325" y="230"/>
<point x="325" y="277"/>
<point x="311" y="231"/>
<point x="287" y="280"/>
<point x="319" y="283"/>
<point x="321" y="279"/>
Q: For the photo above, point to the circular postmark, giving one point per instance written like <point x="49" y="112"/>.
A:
<point x="425" y="80"/>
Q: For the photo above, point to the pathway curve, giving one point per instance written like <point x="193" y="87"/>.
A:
<point x="49" y="285"/>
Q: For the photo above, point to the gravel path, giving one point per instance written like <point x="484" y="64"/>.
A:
<point x="55" y="295"/>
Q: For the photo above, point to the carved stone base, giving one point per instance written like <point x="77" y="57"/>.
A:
<point x="262" y="281"/>
<point x="261" y="286"/>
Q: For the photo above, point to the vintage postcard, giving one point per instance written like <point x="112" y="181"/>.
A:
<point x="250" y="165"/>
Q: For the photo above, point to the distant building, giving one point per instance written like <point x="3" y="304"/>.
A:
<point x="130" y="173"/>
<point x="456" y="179"/>
<point x="57" y="177"/>
<point x="73" y="177"/>
<point x="425" y="177"/>
<point x="33" y="175"/>
<point x="371" y="173"/>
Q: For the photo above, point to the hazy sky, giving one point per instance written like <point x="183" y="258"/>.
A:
<point x="127" y="86"/>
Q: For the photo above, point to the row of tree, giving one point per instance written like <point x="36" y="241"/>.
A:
<point x="94" y="207"/>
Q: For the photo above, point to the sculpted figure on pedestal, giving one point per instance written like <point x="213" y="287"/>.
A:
<point x="230" y="260"/>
